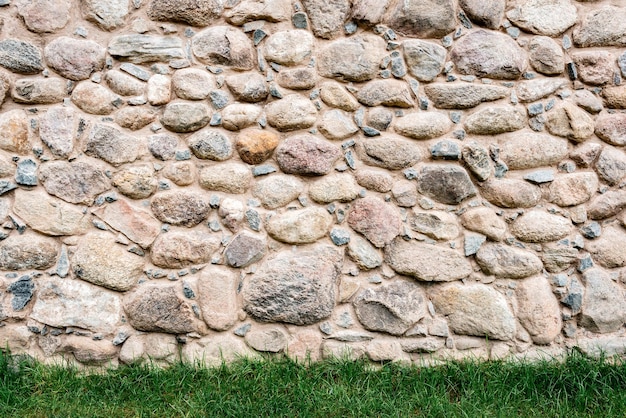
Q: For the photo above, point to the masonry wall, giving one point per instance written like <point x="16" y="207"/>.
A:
<point x="396" y="180"/>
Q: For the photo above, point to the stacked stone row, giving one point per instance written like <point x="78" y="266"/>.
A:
<point x="396" y="180"/>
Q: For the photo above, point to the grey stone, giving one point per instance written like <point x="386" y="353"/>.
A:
<point x="463" y="95"/>
<point x="434" y="224"/>
<point x="544" y="17"/>
<point x="75" y="59"/>
<point x="192" y="12"/>
<point x="182" y="117"/>
<point x="394" y="93"/>
<point x="26" y="173"/>
<point x="603" y="309"/>
<point x="378" y="221"/>
<point x="533" y="90"/>
<point x="175" y="250"/>
<point x="558" y="258"/>
<point x="477" y="159"/>
<point x="425" y="60"/>
<point x="306" y="155"/>
<point x="327" y="17"/>
<point x="141" y="49"/>
<point x="180" y="207"/>
<point x="603" y="26"/>
<point x="108" y="15"/>
<point x="77" y="182"/>
<point x="224" y="45"/>
<point x="422" y="19"/>
<point x="495" y="120"/>
<point x="540" y="176"/>
<point x="472" y="243"/>
<point x="39" y="90"/>
<point x="300" y="226"/>
<point x="244" y="249"/>
<point x="486" y="13"/>
<point x="390" y="152"/>
<point x="23" y="291"/>
<point x="352" y="59"/>
<point x="192" y="84"/>
<point x="29" y="251"/>
<point x="20" y="56"/>
<point x="248" y="87"/>
<point x="508" y="262"/>
<point x="611" y="165"/>
<point x="162" y="146"/>
<point x="445" y="183"/>
<point x="210" y="144"/>
<point x="112" y="145"/>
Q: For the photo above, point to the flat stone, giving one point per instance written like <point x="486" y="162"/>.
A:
<point x="423" y="125"/>
<point x="376" y="220"/>
<point x="27" y="252"/>
<point x="392" y="308"/>
<point x="48" y="215"/>
<point x="608" y="250"/>
<point x="229" y="178"/>
<point x="477" y="159"/>
<point x="390" y="152"/>
<point x="248" y="87"/>
<point x="573" y="189"/>
<point x="20" y="56"/>
<point x="336" y="124"/>
<point x="394" y="93"/>
<point x="140" y="49"/>
<point x="135" y="117"/>
<point x="244" y="249"/>
<point x="531" y="150"/>
<point x="240" y="116"/>
<point x="112" y="145"/>
<point x="106" y="14"/>
<point x="99" y="260"/>
<point x="39" y="90"/>
<point x="434" y="224"/>
<point x="253" y="10"/>
<point x="506" y="262"/>
<point x="588" y="101"/>
<point x="185" y="117"/>
<point x="302" y="226"/>
<point x="94" y="98"/>
<point x="136" y="181"/>
<point x="75" y="59"/>
<point x="192" y="84"/>
<point x="180" y="207"/>
<point x="64" y="303"/>
<point x="463" y="95"/>
<point x="511" y="193"/>
<point x="162" y="146"/>
<point x="216" y="349"/>
<point x="210" y="144"/>
<point x="297" y="78"/>
<point x="495" y="120"/>
<point x="604" y="26"/>
<point x="474" y="309"/>
<point x="124" y="84"/>
<point x="445" y="183"/>
<point x="533" y="90"/>
<point x="611" y="128"/>
<point x="611" y="165"/>
<point x="602" y="347"/>
<point x="422" y="19"/>
<point x="484" y="221"/>
<point x="334" y="94"/>
<point x="594" y="67"/>
<point x="291" y="113"/>
<point x="294" y="287"/>
<point x="14" y="131"/>
<point x="336" y="187"/>
<point x="44" y="16"/>
<point x="426" y="262"/>
<point x="136" y="224"/>
<point x="159" y="90"/>
<point x="424" y="60"/>
<point x="540" y="226"/>
<point x="544" y="17"/>
<point x="604" y="309"/>
<point x="155" y="308"/>
<point x="352" y="59"/>
<point x="217" y="297"/>
<point x="191" y="12"/>
<point x="571" y="122"/>
<point x="489" y="54"/>
<point x="289" y="47"/>
<point x="306" y="155"/>
<point x="558" y="258"/>
<point x="486" y="13"/>
<point x="365" y="255"/>
<point x="607" y="204"/>
<point x="546" y="56"/>
<point x="177" y="249"/>
<point x="209" y="47"/>
<point x="267" y="340"/>
<point x="277" y="190"/>
<point x="77" y="182"/>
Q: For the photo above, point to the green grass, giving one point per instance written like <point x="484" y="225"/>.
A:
<point x="577" y="387"/>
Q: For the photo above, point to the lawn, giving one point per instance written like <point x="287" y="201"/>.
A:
<point x="576" y="387"/>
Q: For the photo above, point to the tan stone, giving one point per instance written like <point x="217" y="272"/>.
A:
<point x="507" y="262"/>
<point x="336" y="187"/>
<point x="217" y="297"/>
<point x="485" y="221"/>
<point x="335" y="95"/>
<point x="255" y="145"/>
<point x="571" y="122"/>
<point x="301" y="226"/>
<point x="573" y="189"/>
<point x="538" y="310"/>
<point x="14" y="131"/>
<point x="608" y="250"/>
<point x="540" y="226"/>
<point x="138" y="225"/>
<point x="177" y="249"/>
<point x="511" y="193"/>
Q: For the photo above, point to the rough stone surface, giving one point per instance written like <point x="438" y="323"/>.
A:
<point x="217" y="298"/>
<point x="306" y="155"/>
<point x="251" y="10"/>
<point x="44" y="16"/>
<point x="486" y="13"/>
<point x="423" y="125"/>
<point x="20" y="56"/>
<point x="540" y="226"/>
<point x="327" y="17"/>
<point x="510" y="193"/>
<point x="351" y="59"/>
<point x="495" y="120"/>
<point x="573" y="189"/>
<point x="604" y="309"/>
<point x="544" y="17"/>
<point x="507" y="262"/>
<point x="532" y="150"/>
<point x="602" y="27"/>
<point x="209" y="144"/>
<point x="435" y="224"/>
<point x="223" y="45"/>
<point x="183" y="208"/>
<point x="289" y="47"/>
<point x="108" y="15"/>
<point x="227" y="177"/>
<point x="546" y="56"/>
<point x="277" y="190"/>
<point x="136" y="181"/>
<point x="594" y="67"/>
<point x="74" y="59"/>
<point x="424" y="60"/>
<point x="611" y="165"/>
<point x="337" y="187"/>
<point x="94" y="98"/>
<point x="608" y="250"/>
<point x="463" y="95"/>
<point x="192" y="84"/>
<point x="335" y="95"/>
<point x="291" y="113"/>
<point x="76" y="182"/>
<point x="39" y="90"/>
<point x="390" y="152"/>
<point x="245" y="248"/>
<point x="485" y="221"/>
<point x="185" y="117"/>
<point x="178" y="250"/>
<point x="300" y="226"/>
<point x="248" y="87"/>
<point x="445" y="183"/>
<point x="112" y="145"/>
<point x="336" y="124"/>
<point x="192" y="12"/>
<point x="28" y="252"/>
<point x="378" y="221"/>
<point x="427" y="19"/>
<point x="611" y="128"/>
<point x="386" y="93"/>
<point x="365" y="255"/>
<point x="138" y="225"/>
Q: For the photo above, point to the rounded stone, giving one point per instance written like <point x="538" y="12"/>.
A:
<point x="75" y="59"/>
<point x="423" y="125"/>
<point x="376" y="220"/>
<point x="226" y="177"/>
<point x="185" y="117"/>
<point x="306" y="155"/>
<point x="180" y="207"/>
<point x="137" y="181"/>
<point x="224" y="45"/>
<point x="540" y="226"/>
<point x="277" y="190"/>
<point x="289" y="47"/>
<point x="94" y="98"/>
<point x="175" y="250"/>
<point x="352" y="59"/>
<point x="298" y="227"/>
<point x="256" y="145"/>
<point x="210" y="144"/>
<point x="192" y="84"/>
<point x="249" y="87"/>
<point x="291" y="113"/>
<point x="546" y="56"/>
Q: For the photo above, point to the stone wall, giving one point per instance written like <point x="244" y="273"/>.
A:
<point x="397" y="180"/>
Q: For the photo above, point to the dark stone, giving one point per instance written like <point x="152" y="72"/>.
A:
<point x="22" y="291"/>
<point x="445" y="183"/>
<point x="20" y="57"/>
<point x="26" y="174"/>
<point x="446" y="150"/>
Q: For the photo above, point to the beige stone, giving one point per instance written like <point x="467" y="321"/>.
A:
<point x="485" y="221"/>
<point x="300" y="226"/>
<point x="538" y="310"/>
<point x="540" y="226"/>
<point x="217" y="297"/>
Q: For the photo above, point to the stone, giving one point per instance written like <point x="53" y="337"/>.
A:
<point x="94" y="98"/>
<point x="75" y="59"/>
<point x="495" y="120"/>
<point x="78" y="182"/>
<point x="369" y="12"/>
<point x="255" y="145"/>
<point x="177" y="249"/>
<point x="191" y="12"/>
<point x="486" y="13"/>
<point x="140" y="49"/>
<point x="154" y="347"/>
<point x="291" y="113"/>
<point x="182" y="173"/>
<point x="463" y="95"/>
<point x="64" y="303"/>
<point x="277" y="190"/>
<point x="540" y="226"/>
<point x="217" y="297"/>
<point x="373" y="179"/>
<point x="611" y="128"/>
<point x="39" y="90"/>
<point x="290" y="47"/>
<point x="192" y="84"/>
<point x="296" y="288"/>
<point x="608" y="250"/>
<point x="352" y="59"/>
<point x="248" y="87"/>
<point x="48" y="215"/>
<point x="231" y="212"/>
<point x="136" y="181"/>
<point x="297" y="78"/>
<point x="244" y="249"/>
<point x="376" y="220"/>
<point x="546" y="56"/>
<point x="604" y="26"/>
<point x="335" y="187"/>
<point x="585" y="155"/>
<point x="240" y="116"/>
<point x="531" y="150"/>
<point x="268" y="340"/>
<point x="602" y="347"/>
<point x="14" y="131"/>
<point x="365" y="255"/>
<point x="57" y="130"/>
<point x="489" y="54"/>
<point x="611" y="165"/>
<point x="544" y="17"/>
<point x="228" y="177"/>
<point x="334" y="94"/>
<point x="112" y="145"/>
<point x="557" y="259"/>
<point x="423" y="125"/>
<point x="107" y="15"/>
<point x="588" y="101"/>
<point x="573" y="189"/>
<point x="252" y="10"/>
<point x="484" y="221"/>
<point x="162" y="146"/>
<point x="594" y="67"/>
<point x="216" y="350"/>
<point x="136" y="224"/>
<point x="390" y="152"/>
<point x="44" y="16"/>
<point x="336" y="125"/>
<point x="134" y="118"/>
<point x="210" y="144"/>
<point x="159" y="90"/>
<point x="604" y="309"/>
<point x="474" y="309"/>
<point x="607" y="204"/>
<point x="394" y="93"/>
<point x="29" y="251"/>
<point x="327" y="17"/>
<point x="477" y="159"/>
<point x="26" y="173"/>
<point x="302" y="226"/>
<point x="183" y="117"/>
<point x="570" y="121"/>
<point x="426" y="262"/>
<point x="124" y="84"/>
<point x="424" y="60"/>
<point x="434" y="224"/>
<point x="615" y="97"/>
<point x="99" y="260"/>
<point x="20" y="56"/>
<point x="306" y="155"/>
<point x="224" y="45"/>
<point x="379" y="118"/>
<point x="422" y="19"/>
<point x="506" y="262"/>
<point x="533" y="90"/>
<point x="405" y="193"/>
<point x="445" y="183"/>
<point x="180" y="207"/>
<point x="154" y="308"/>
<point x="392" y="308"/>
